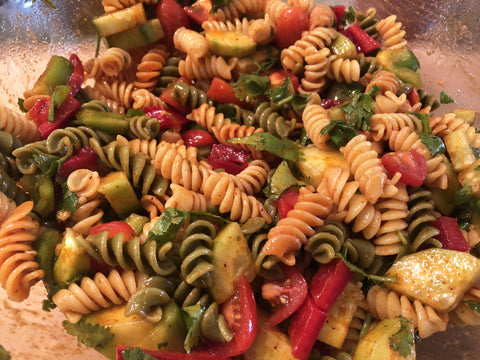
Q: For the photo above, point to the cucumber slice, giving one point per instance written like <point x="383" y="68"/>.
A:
<point x="120" y="20"/>
<point x="230" y="43"/>
<point x="140" y="36"/>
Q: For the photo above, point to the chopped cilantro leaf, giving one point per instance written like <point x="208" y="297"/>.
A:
<point x="284" y="148"/>
<point x="281" y="180"/>
<point x="382" y="279"/>
<point x="434" y="144"/>
<point x="403" y="340"/>
<point x="249" y="87"/>
<point x="473" y="305"/>
<point x="476" y="152"/>
<point x="136" y="354"/>
<point x="340" y="133"/>
<point x="445" y="98"/>
<point x="48" y="164"/>
<point x="4" y="355"/>
<point x="358" y="110"/>
<point x="349" y="16"/>
<point x="91" y="335"/>
<point x="69" y="199"/>
<point x="271" y="60"/>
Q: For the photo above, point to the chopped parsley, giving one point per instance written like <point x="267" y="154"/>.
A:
<point x="339" y="132"/>
<point x="403" y="340"/>
<point x="283" y="148"/>
<point x="473" y="305"/>
<point x="445" y="98"/>
<point x="434" y="144"/>
<point x="91" y="335"/>
<point x="358" y="110"/>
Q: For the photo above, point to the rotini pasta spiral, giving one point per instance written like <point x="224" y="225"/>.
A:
<point x="368" y="22"/>
<point x="315" y="118"/>
<point x="261" y="30"/>
<point x="240" y="25"/>
<point x="270" y="120"/>
<point x="305" y="5"/>
<point x="321" y="16"/>
<point x="188" y="295"/>
<point x="343" y="70"/>
<point x="114" y="61"/>
<point x="274" y="9"/>
<point x="196" y="253"/>
<point x="385" y="304"/>
<point x="101" y="292"/>
<point x="391" y="103"/>
<point x="9" y="187"/>
<point x="385" y="80"/>
<point x="191" y="42"/>
<point x="463" y="315"/>
<point x="190" y="96"/>
<point x="421" y="213"/>
<point x="316" y="68"/>
<point x="326" y="242"/>
<point x="291" y="232"/>
<point x="143" y="127"/>
<point x="187" y="200"/>
<point x="230" y="131"/>
<point x="382" y="125"/>
<point x="18" y="269"/>
<point x="148" y="258"/>
<point x="168" y="74"/>
<point x="206" y="116"/>
<point x="391" y="33"/>
<point x="144" y="98"/>
<point x="96" y="94"/>
<point x="150" y="67"/>
<point x="236" y="8"/>
<point x="18" y="125"/>
<point x="118" y="91"/>
<point x="367" y="169"/>
<point x="65" y="142"/>
<point x="207" y="67"/>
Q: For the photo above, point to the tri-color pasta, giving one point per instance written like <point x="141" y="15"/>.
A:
<point x="192" y="167"/>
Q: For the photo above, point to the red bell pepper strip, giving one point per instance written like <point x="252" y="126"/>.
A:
<point x="242" y="319"/>
<point x="114" y="228"/>
<point x="168" y="119"/>
<point x="78" y="76"/>
<point x="450" y="234"/>
<point x="163" y="355"/>
<point x="364" y="42"/>
<point x="304" y="328"/>
<point x="286" y="202"/>
<point x="339" y="10"/>
<point x="84" y="158"/>
<point x="39" y="111"/>
<point x="328" y="283"/>
<point x="69" y="107"/>
<point x="197" y="137"/>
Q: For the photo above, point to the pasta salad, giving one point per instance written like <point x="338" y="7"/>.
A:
<point x="242" y="179"/>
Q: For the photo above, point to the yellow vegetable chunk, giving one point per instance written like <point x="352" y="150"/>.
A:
<point x="316" y="161"/>
<point x="376" y="344"/>
<point x="467" y="115"/>
<point x="436" y="277"/>
<point x="337" y="324"/>
<point x="231" y="43"/>
<point x="458" y="148"/>
<point x="470" y="176"/>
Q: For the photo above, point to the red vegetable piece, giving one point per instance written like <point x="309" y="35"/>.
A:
<point x="223" y="92"/>
<point x="304" y="328"/>
<point x="172" y="101"/>
<point x="328" y="283"/>
<point x="364" y="42"/>
<point x="69" y="107"/>
<point x="286" y="202"/>
<point x="168" y="119"/>
<point x="84" y="158"/>
<point x="450" y="235"/>
<point x="229" y="158"/>
<point x="413" y="97"/>
<point x="78" y="76"/>
<point x="197" y="137"/>
<point x="339" y="10"/>
<point x="278" y="77"/>
<point x="240" y="311"/>
<point x="410" y="163"/>
<point x="39" y="111"/>
<point x="114" y="228"/>
<point x="163" y="355"/>
<point x="329" y="103"/>
<point x="172" y="17"/>
<point x="286" y="295"/>
<point x="291" y="24"/>
<point x="198" y="12"/>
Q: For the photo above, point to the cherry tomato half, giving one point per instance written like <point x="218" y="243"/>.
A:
<point x="286" y="202"/>
<point x="197" y="137"/>
<point x="171" y="16"/>
<point x="410" y="163"/>
<point x="291" y="24"/>
<point x="114" y="228"/>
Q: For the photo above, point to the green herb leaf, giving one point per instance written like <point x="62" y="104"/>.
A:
<point x="340" y="133"/>
<point x="48" y="305"/>
<point x="434" y="144"/>
<point x="48" y="164"/>
<point x="69" y="200"/>
<point x="445" y="98"/>
<point x="4" y="355"/>
<point x="299" y="101"/>
<point x="58" y="97"/>
<point x="278" y="93"/>
<point x="270" y="62"/>
<point x="136" y="354"/>
<point x="91" y="335"/>
<point x="349" y="16"/>
<point x="228" y="111"/>
<point x="284" y="148"/>
<point x="403" y="340"/>
<point x="281" y="180"/>
<point x="476" y="152"/>
<point x="473" y="305"/>
<point x="167" y="226"/>
<point x="249" y="86"/>
<point x="463" y="195"/>
<point x="425" y="119"/>
<point x="354" y="268"/>
<point x="192" y="316"/>
<point x="358" y="110"/>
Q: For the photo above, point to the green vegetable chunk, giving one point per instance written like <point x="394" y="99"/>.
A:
<point x="142" y="35"/>
<point x="56" y="73"/>
<point x="121" y="20"/>
<point x="119" y="193"/>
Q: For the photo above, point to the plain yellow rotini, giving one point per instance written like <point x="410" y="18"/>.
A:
<point x="321" y="16"/>
<point x="447" y="123"/>
<point x="154" y="205"/>
<point x="241" y="25"/>
<point x="205" y="116"/>
<point x="382" y="125"/>
<point x="315" y="70"/>
<point x="101" y="292"/>
<point x="143" y="98"/>
<point x="305" y="5"/>
<point x="94" y="93"/>
<point x="150" y="67"/>
<point x="207" y="67"/>
<point x="287" y="237"/>
<point x="385" y="80"/>
<point x="343" y="70"/>
<point x="236" y="8"/>
<point x="391" y="33"/>
<point x="315" y="118"/>
<point x="187" y="200"/>
<point x="114" y="61"/>
<point x="18" y="269"/>
<point x="17" y="124"/>
<point x="120" y="92"/>
<point x="391" y="103"/>
<point x="191" y="43"/>
<point x="386" y="304"/>
<point x="261" y="30"/>
<point x="230" y="131"/>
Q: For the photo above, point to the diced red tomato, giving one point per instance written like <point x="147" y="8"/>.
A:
<point x="199" y="11"/>
<point x="413" y="97"/>
<point x="78" y="76"/>
<point x="171" y="100"/>
<point x="329" y="103"/>
<point x="278" y="77"/>
<point x="450" y="235"/>
<point x="229" y="158"/>
<point x="410" y="163"/>
<point x="285" y="295"/>
<point x="172" y="17"/>
<point x="364" y="42"/>
<point x="240" y="311"/>
<point x="163" y="355"/>
<point x="197" y="137"/>
<point x="84" y="158"/>
<point x="339" y="10"/>
<point x="114" y="228"/>
<point x="304" y="328"/>
<point x="223" y="92"/>
<point x="168" y="119"/>
<point x="328" y="283"/>
<point x="286" y="202"/>
<point x="291" y="24"/>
